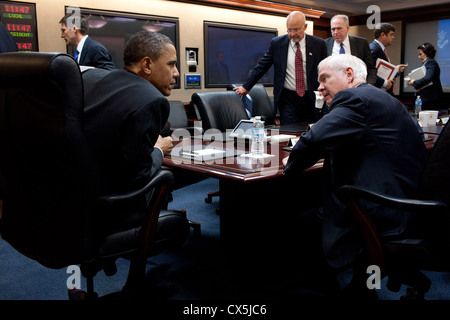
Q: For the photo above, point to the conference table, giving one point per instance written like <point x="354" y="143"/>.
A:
<point x="256" y="200"/>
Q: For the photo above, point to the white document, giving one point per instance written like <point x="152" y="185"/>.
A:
<point x="280" y="137"/>
<point x="203" y="152"/>
<point x="386" y="70"/>
<point x="417" y="73"/>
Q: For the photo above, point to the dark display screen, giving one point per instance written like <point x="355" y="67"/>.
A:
<point x="231" y="52"/>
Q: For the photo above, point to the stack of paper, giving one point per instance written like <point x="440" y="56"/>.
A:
<point x="417" y="73"/>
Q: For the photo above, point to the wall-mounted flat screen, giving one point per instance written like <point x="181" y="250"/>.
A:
<point x="19" y="19"/>
<point x="114" y="29"/>
<point x="231" y="51"/>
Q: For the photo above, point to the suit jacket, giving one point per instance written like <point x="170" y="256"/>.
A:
<point x="359" y="48"/>
<point x="7" y="42"/>
<point x="276" y="55"/>
<point x="366" y="139"/>
<point x="124" y="115"/>
<point x="432" y="93"/>
<point x="378" y="52"/>
<point x="96" y="55"/>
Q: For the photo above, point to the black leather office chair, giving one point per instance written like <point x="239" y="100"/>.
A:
<point x="219" y="110"/>
<point x="179" y="122"/>
<point x="54" y="207"/>
<point x="262" y="105"/>
<point x="402" y="260"/>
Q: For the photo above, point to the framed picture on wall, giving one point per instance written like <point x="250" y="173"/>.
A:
<point x="231" y="51"/>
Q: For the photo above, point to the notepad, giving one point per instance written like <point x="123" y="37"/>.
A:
<point x="280" y="137"/>
<point x="203" y="152"/>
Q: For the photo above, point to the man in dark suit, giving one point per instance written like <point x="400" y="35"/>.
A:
<point x="88" y="52"/>
<point x="341" y="42"/>
<point x="366" y="139"/>
<point x="383" y="38"/>
<point x="294" y="107"/>
<point x="125" y="111"/>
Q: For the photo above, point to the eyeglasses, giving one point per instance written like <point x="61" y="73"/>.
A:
<point x="294" y="30"/>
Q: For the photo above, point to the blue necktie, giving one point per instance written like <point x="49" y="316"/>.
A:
<point x="76" y="55"/>
<point x="342" y="50"/>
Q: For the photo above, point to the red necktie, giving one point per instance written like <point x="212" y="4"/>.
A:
<point x="299" y="78"/>
<point x="389" y="60"/>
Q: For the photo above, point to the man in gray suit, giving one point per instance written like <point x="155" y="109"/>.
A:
<point x="341" y="42"/>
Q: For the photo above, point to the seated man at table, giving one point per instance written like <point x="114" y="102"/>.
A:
<point x="368" y="138"/>
<point x="125" y="111"/>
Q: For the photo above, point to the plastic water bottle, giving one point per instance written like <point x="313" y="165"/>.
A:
<point x="418" y="106"/>
<point x="257" y="146"/>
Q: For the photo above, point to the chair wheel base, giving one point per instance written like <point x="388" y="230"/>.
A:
<point x="196" y="228"/>
<point x="80" y="295"/>
<point x="413" y="295"/>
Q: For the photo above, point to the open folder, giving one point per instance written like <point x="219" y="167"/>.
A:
<point x="386" y="70"/>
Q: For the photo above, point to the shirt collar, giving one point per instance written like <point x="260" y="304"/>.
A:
<point x="301" y="42"/>
<point x="381" y="45"/>
<point x="81" y="44"/>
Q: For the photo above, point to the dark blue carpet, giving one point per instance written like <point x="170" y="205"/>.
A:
<point x="200" y="270"/>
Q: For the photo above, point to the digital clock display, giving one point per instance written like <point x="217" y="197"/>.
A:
<point x="20" y="20"/>
<point x="12" y="8"/>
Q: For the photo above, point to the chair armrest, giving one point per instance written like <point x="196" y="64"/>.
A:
<point x="348" y="192"/>
<point x="161" y="177"/>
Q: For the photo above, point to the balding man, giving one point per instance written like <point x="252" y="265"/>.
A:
<point x="295" y="57"/>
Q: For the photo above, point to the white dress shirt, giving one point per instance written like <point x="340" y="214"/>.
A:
<point x="337" y="47"/>
<point x="289" y="82"/>
<point x="80" y="47"/>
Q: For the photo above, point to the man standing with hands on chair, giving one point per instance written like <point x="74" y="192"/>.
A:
<point x="295" y="57"/>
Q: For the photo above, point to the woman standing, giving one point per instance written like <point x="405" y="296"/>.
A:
<point x="429" y="88"/>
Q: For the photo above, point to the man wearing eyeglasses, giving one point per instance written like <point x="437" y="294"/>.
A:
<point x="341" y="43"/>
<point x="295" y="71"/>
